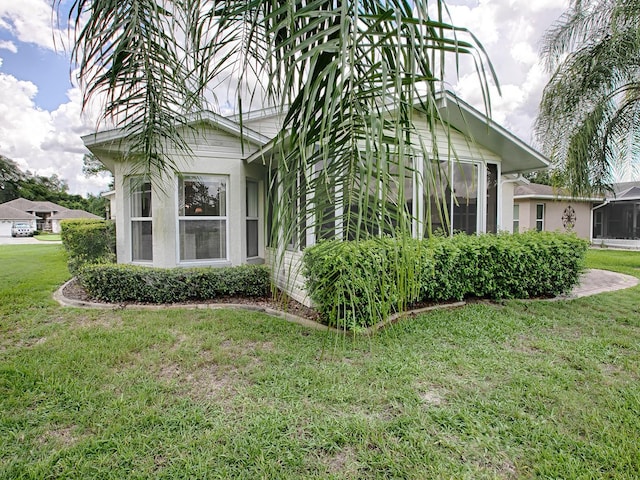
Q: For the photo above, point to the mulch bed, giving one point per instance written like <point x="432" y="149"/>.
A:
<point x="74" y="291"/>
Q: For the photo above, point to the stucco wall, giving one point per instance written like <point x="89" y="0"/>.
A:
<point x="554" y="211"/>
<point x="215" y="153"/>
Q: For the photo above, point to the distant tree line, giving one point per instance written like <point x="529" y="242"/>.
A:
<point x="14" y="183"/>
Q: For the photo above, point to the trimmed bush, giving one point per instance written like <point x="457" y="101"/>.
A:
<point x="357" y="284"/>
<point x="130" y="283"/>
<point x="88" y="242"/>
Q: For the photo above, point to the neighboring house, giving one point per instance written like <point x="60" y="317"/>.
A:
<point x="42" y="215"/>
<point x="69" y="215"/>
<point x="616" y="222"/>
<point x="214" y="211"/>
<point x="42" y="209"/>
<point x="545" y="208"/>
<point x="10" y="215"/>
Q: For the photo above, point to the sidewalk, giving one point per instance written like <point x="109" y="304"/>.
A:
<point x="596" y="281"/>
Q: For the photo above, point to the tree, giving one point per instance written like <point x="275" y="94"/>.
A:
<point x="589" y="120"/>
<point x="337" y="69"/>
<point x="10" y="178"/>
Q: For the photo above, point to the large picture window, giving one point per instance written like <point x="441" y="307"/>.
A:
<point x="202" y="217"/>
<point x="141" y="220"/>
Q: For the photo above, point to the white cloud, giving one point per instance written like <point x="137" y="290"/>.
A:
<point x="32" y="21"/>
<point x="510" y="31"/>
<point x="7" y="45"/>
<point x="45" y="142"/>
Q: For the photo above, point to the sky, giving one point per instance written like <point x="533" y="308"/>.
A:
<point x="41" y="118"/>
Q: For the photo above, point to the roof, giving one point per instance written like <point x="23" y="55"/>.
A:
<point x="631" y="193"/>
<point x="622" y="188"/>
<point x="7" y="212"/>
<point x="517" y="156"/>
<point x="34" y="206"/>
<point x="69" y="214"/>
<point x="111" y="139"/>
<point x="546" y="192"/>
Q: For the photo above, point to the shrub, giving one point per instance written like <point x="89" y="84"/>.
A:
<point x="88" y="242"/>
<point x="356" y="284"/>
<point x="130" y="283"/>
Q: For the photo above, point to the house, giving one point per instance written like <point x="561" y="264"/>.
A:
<point x="546" y="208"/>
<point x="67" y="214"/>
<point x="42" y="209"/>
<point x="10" y="215"/>
<point x="214" y="211"/>
<point x="42" y="215"/>
<point x="616" y="222"/>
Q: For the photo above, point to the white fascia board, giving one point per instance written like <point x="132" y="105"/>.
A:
<point x="217" y="121"/>
<point x="532" y="196"/>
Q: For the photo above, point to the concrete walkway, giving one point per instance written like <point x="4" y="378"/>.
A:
<point x="598" y="281"/>
<point x="27" y="241"/>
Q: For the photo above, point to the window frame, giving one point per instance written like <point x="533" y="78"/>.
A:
<point x="540" y="220"/>
<point x="516" y="218"/>
<point x="134" y="182"/>
<point x="192" y="218"/>
<point x="250" y="218"/>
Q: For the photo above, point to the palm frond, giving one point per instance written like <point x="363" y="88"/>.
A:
<point x="594" y="53"/>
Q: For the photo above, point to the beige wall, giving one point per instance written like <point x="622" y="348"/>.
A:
<point x="554" y="211"/>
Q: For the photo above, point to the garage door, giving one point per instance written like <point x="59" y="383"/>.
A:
<point x="5" y="228"/>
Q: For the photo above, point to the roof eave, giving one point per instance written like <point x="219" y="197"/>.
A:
<point x="533" y="196"/>
<point x="517" y="156"/>
<point x="109" y="138"/>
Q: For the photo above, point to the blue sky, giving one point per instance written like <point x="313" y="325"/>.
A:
<point x="40" y="107"/>
<point x="49" y="70"/>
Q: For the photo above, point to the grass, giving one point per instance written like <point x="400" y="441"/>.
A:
<point x="48" y="237"/>
<point x="512" y="390"/>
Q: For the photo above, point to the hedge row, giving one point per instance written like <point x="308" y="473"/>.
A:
<point x="88" y="242"/>
<point x="129" y="283"/>
<point x="357" y="284"/>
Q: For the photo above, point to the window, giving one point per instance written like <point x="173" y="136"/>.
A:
<point x="463" y="197"/>
<point x="540" y="217"/>
<point x="516" y="218"/>
<point x="438" y="203"/>
<point x="252" y="219"/>
<point x="141" y="220"/>
<point x="491" y="225"/>
<point x="202" y="218"/>
<point x="465" y="191"/>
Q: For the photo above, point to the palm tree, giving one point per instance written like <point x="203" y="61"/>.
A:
<point x="346" y="74"/>
<point x="590" y="111"/>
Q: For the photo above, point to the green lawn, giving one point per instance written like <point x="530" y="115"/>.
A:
<point x="516" y="390"/>
<point x="48" y="237"/>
